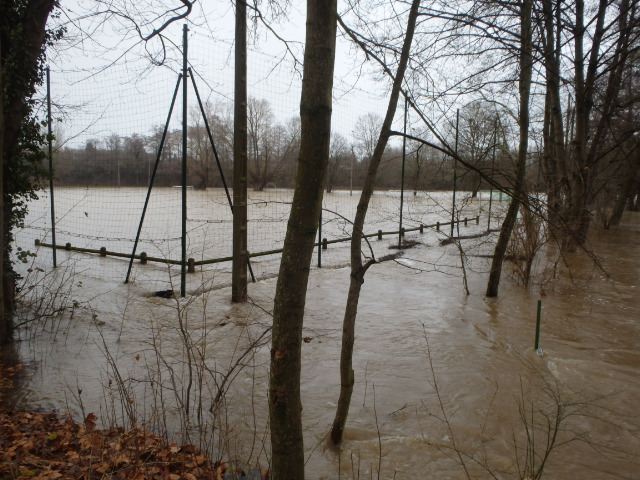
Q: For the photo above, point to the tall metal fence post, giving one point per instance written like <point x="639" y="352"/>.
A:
<point x="183" y="259"/>
<point x="455" y="174"/>
<point x="51" y="195"/>
<point x="404" y="156"/>
<point x="493" y="166"/>
<point x="320" y="240"/>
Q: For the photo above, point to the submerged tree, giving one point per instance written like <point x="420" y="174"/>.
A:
<point x="358" y="268"/>
<point x="518" y="193"/>
<point x="285" y="405"/>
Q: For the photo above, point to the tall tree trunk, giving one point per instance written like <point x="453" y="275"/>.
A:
<point x="13" y="112"/>
<point x="285" y="406"/>
<point x="358" y="270"/>
<point x="240" y="253"/>
<point x="5" y="319"/>
<point x="580" y="177"/>
<point x="526" y="67"/>
<point x="554" y="166"/>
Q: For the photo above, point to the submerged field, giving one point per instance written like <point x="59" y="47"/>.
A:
<point x="442" y="378"/>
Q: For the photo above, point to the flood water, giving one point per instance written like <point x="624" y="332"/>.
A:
<point x="442" y="378"/>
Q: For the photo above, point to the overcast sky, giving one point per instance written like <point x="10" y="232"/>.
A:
<point x="104" y="82"/>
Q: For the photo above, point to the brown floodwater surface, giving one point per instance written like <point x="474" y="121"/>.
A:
<point x="445" y="381"/>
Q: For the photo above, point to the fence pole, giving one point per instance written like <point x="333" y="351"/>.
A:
<point x="404" y="155"/>
<point x="493" y="165"/>
<point x="455" y="174"/>
<point x="50" y="142"/>
<point x="183" y="258"/>
<point x="320" y="240"/>
<point x="538" y="325"/>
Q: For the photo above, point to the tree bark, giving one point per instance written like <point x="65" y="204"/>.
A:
<point x="5" y="319"/>
<point x="285" y="406"/>
<point x="554" y="166"/>
<point x="240" y="253"/>
<point x="358" y="270"/>
<point x="526" y="68"/>
<point x="13" y="110"/>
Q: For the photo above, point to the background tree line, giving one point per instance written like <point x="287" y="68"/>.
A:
<point x="273" y="148"/>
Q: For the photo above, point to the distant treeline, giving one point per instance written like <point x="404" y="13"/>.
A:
<point x="272" y="155"/>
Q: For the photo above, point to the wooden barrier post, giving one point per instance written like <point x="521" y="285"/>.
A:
<point x="379" y="234"/>
<point x="143" y="258"/>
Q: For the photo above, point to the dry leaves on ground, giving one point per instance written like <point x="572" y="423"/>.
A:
<point x="46" y="446"/>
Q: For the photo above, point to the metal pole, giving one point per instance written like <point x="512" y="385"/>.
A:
<point x="183" y="259"/>
<point x="353" y="155"/>
<point x="493" y="166"/>
<point x="538" y="325"/>
<point x="404" y="156"/>
<point x="50" y="138"/>
<point x="320" y="241"/>
<point x="153" y="176"/>
<point x="455" y="174"/>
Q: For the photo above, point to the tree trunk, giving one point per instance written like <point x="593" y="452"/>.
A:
<point x="358" y="270"/>
<point x="5" y="317"/>
<point x="526" y="67"/>
<point x="18" y="74"/>
<point x="554" y="167"/>
<point x="240" y="253"/>
<point x="285" y="407"/>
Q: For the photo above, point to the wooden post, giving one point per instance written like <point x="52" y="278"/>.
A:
<point x="421" y="228"/>
<point x="477" y="219"/>
<point x="143" y="258"/>
<point x="324" y="244"/>
<point x="103" y="251"/>
<point x="191" y="266"/>
<point x="465" y="221"/>
<point x="67" y="246"/>
<point x="438" y="226"/>
<point x="379" y="234"/>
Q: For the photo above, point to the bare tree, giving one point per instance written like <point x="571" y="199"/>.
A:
<point x="365" y="132"/>
<point x="526" y="70"/>
<point x="358" y="268"/>
<point x="340" y="156"/>
<point x="285" y="405"/>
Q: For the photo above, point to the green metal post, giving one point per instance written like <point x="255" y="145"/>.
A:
<point x="493" y="166"/>
<point x="538" y="325"/>
<point x="183" y="263"/>
<point x="320" y="240"/>
<point x="455" y="174"/>
<point x="404" y="156"/>
<point x="50" y="141"/>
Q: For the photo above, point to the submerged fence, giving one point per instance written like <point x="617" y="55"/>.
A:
<point x="140" y="184"/>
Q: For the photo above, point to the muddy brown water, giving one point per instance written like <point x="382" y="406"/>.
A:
<point x="442" y="377"/>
